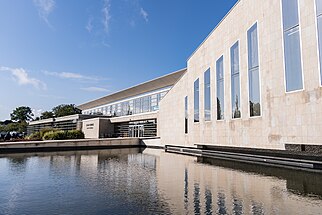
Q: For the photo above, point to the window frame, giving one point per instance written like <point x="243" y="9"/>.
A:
<point x="283" y="49"/>
<point x="318" y="43"/>
<point x="259" y="73"/>
<point x="239" y="66"/>
<point x="223" y="80"/>
<point x="194" y="103"/>
<point x="204" y="105"/>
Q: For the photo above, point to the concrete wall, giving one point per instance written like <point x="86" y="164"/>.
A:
<point x="72" y="144"/>
<point x="97" y="128"/>
<point x="294" y="117"/>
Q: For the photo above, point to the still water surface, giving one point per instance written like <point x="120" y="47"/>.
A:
<point x="132" y="181"/>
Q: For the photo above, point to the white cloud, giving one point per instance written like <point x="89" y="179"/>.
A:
<point x="70" y="75"/>
<point x="144" y="14"/>
<point x="106" y="15"/>
<point x="37" y="112"/>
<point x="22" y="78"/>
<point x="45" y="7"/>
<point x="95" y="89"/>
<point x="89" y="25"/>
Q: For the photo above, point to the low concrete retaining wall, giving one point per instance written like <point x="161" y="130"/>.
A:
<point x="61" y="145"/>
<point x="153" y="142"/>
<point x="275" y="158"/>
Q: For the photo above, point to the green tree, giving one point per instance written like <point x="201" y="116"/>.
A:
<point x="47" y="115"/>
<point x="22" y="114"/>
<point x="219" y="115"/>
<point x="65" y="110"/>
<point x="16" y="126"/>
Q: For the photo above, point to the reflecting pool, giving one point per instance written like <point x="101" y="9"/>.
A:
<point x="150" y="181"/>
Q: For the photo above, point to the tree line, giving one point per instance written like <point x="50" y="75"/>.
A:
<point x="20" y="117"/>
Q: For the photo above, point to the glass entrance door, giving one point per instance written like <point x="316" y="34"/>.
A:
<point x="136" y="131"/>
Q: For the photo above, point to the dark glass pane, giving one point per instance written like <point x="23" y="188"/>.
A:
<point x="293" y="65"/>
<point x="196" y="100"/>
<point x="207" y="100"/>
<point x="290" y="13"/>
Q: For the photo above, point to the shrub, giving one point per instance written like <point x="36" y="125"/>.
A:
<point x="75" y="134"/>
<point x="45" y="130"/>
<point x="63" y="135"/>
<point x="54" y="135"/>
<point x="34" y="136"/>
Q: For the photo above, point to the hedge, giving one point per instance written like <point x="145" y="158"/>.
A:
<point x="63" y="135"/>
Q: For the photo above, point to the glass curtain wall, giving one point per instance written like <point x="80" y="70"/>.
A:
<point x="253" y="72"/>
<point x="139" y="105"/>
<point x="220" y="88"/>
<point x="235" y="83"/>
<point x="292" y="47"/>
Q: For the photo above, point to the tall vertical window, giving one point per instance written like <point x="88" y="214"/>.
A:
<point x="196" y="101"/>
<point x="220" y="88"/>
<point x="319" y="23"/>
<point x="292" y="47"/>
<point x="235" y="83"/>
<point x="207" y="100"/>
<point x="253" y="72"/>
<point x="186" y="115"/>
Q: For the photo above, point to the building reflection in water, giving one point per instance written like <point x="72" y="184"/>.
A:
<point x="234" y="188"/>
<point x="151" y="182"/>
<point x="208" y="200"/>
<point x="196" y="198"/>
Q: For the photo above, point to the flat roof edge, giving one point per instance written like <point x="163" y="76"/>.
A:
<point x="155" y="79"/>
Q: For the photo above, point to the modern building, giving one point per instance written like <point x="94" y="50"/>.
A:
<point x="72" y="122"/>
<point x="132" y="112"/>
<point x="255" y="81"/>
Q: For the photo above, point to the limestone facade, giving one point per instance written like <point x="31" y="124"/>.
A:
<point x="286" y="117"/>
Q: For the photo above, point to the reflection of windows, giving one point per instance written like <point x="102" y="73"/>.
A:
<point x="146" y="104"/>
<point x="319" y="25"/>
<point x="109" y="111"/>
<point x="207" y="100"/>
<point x="253" y="72"/>
<point x="113" y="110"/>
<point x="186" y="115"/>
<point x="154" y="102"/>
<point x="143" y="104"/>
<point x="137" y="106"/>
<point x="235" y="84"/>
<point x="220" y="88"/>
<point x="292" y="48"/>
<point x="196" y="100"/>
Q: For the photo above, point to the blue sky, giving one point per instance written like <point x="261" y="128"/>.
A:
<point x="71" y="51"/>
